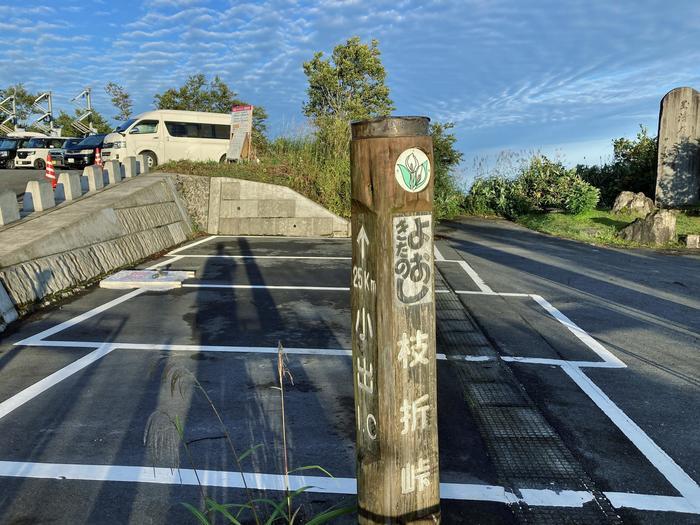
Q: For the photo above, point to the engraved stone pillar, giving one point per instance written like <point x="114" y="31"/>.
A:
<point x="393" y="321"/>
<point x="678" y="171"/>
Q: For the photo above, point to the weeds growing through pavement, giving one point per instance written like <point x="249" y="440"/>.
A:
<point x="165" y="433"/>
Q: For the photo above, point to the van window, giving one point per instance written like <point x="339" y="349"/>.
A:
<point x="201" y="131"/>
<point x="145" y="126"/>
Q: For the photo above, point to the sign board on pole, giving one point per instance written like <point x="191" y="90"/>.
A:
<point x="241" y="133"/>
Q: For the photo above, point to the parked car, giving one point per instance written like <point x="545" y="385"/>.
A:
<point x="166" y="135"/>
<point x="57" y="154"/>
<point x="8" y="150"/>
<point x="34" y="153"/>
<point x="83" y="153"/>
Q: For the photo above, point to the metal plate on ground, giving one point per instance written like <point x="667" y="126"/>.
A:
<point x="152" y="279"/>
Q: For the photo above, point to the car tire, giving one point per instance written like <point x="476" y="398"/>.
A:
<point x="39" y="164"/>
<point x="10" y="164"/>
<point x="151" y="159"/>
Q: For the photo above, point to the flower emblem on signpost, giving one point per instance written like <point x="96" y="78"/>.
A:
<point x="413" y="170"/>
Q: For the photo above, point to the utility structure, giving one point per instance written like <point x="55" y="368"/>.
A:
<point x="83" y="124"/>
<point x="43" y="106"/>
<point x="8" y="114"/>
<point x="393" y="321"/>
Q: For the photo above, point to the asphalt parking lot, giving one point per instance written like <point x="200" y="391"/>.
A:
<point x="16" y="179"/>
<point x="555" y="410"/>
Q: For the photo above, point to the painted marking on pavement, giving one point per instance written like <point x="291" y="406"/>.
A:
<point x="581" y="334"/>
<point x="656" y="456"/>
<point x="78" y="319"/>
<point x="289" y="257"/>
<point x="39" y="387"/>
<point x="501" y="294"/>
<point x="327" y="485"/>
<point x="438" y="254"/>
<point x="269" y="287"/>
<point x="192" y="245"/>
<point x="165" y="262"/>
<point x="475" y="277"/>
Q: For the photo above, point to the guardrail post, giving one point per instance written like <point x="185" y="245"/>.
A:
<point x="38" y="196"/>
<point x="393" y="321"/>
<point x="9" y="210"/>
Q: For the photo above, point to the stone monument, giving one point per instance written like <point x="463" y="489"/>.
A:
<point x="678" y="172"/>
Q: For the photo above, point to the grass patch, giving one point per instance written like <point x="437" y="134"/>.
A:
<point x="598" y="226"/>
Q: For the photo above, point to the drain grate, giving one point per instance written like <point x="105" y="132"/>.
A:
<point x="525" y="449"/>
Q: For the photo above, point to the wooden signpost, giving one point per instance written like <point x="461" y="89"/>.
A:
<point x="393" y="321"/>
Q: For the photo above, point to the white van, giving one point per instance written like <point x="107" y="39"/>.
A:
<point x="168" y="134"/>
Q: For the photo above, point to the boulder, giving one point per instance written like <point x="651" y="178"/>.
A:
<point x="692" y="241"/>
<point x="657" y="228"/>
<point x="637" y="203"/>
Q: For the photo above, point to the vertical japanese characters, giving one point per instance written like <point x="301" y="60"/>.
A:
<point x="365" y="344"/>
<point x="413" y="288"/>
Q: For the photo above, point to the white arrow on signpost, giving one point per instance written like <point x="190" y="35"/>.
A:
<point x="362" y="241"/>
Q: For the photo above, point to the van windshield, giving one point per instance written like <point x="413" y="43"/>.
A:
<point x="8" y="144"/>
<point x="72" y="142"/>
<point x="92" y="140"/>
<point x="37" y="143"/>
<point x="121" y="128"/>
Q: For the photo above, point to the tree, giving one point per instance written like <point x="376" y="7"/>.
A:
<point x="120" y="100"/>
<point x="65" y="122"/>
<point x="349" y="85"/>
<point x="448" y="195"/>
<point x="196" y="94"/>
<point x="24" y="100"/>
<point x="633" y="168"/>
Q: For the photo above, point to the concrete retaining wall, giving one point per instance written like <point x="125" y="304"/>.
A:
<point x="237" y="207"/>
<point x="55" y="250"/>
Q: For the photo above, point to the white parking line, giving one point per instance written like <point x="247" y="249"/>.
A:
<point x="192" y="245"/>
<point x="326" y="485"/>
<point x="501" y="294"/>
<point x="582" y="335"/>
<point x="287" y="257"/>
<point x="675" y="475"/>
<point x="166" y="261"/>
<point x="39" y="387"/>
<point x="269" y="287"/>
<point x="79" y="319"/>
<point x="475" y="277"/>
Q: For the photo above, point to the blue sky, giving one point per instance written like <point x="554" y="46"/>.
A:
<point x="560" y="76"/>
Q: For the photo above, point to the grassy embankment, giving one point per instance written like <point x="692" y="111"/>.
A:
<point x="600" y="226"/>
<point x="299" y="164"/>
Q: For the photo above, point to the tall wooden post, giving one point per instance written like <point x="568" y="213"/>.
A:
<point x="393" y="321"/>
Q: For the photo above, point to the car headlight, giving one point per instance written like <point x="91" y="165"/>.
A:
<point x="3" y="153"/>
<point x="85" y="151"/>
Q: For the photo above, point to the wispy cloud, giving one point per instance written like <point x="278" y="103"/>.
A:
<point x="506" y="72"/>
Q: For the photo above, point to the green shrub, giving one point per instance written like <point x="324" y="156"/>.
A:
<point x="578" y="196"/>
<point x="540" y="185"/>
<point x="633" y="168"/>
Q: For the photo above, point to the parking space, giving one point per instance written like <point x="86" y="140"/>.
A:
<point x="104" y="362"/>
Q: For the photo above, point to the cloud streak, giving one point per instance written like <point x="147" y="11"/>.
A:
<point x="506" y="72"/>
